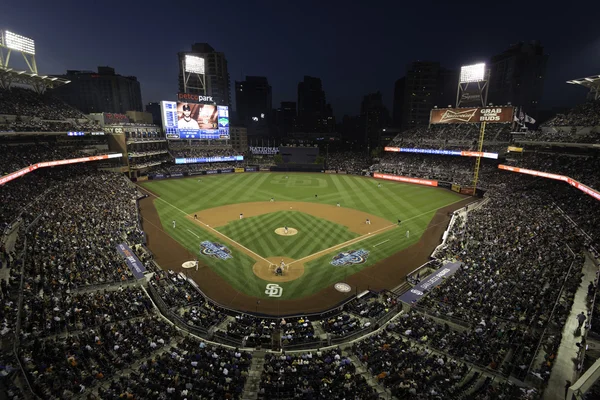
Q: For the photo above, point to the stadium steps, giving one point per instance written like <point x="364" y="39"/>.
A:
<point x="401" y="289"/>
<point x="254" y="374"/>
<point x="371" y="380"/>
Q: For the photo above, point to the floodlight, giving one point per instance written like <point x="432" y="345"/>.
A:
<point x="19" y="43"/>
<point x="472" y="73"/>
<point x="194" y="64"/>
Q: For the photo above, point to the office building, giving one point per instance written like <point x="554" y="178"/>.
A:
<point x="425" y="85"/>
<point x="375" y="117"/>
<point x="254" y="105"/>
<point x="285" y="119"/>
<point x="216" y="75"/>
<point x="314" y="114"/>
<point x="517" y="76"/>
<point x="102" y="91"/>
<point x="154" y="109"/>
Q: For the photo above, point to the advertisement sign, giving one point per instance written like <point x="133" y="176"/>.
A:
<point x="7" y="178"/>
<point x="251" y="169"/>
<point x="456" y="188"/>
<point x="212" y="171"/>
<point x="135" y="265"/>
<point x="398" y="178"/>
<point x="515" y="149"/>
<point x="585" y="189"/>
<point x="198" y="160"/>
<point x="237" y="170"/>
<point x="264" y="150"/>
<point x="471" y="115"/>
<point x="111" y="119"/>
<point x="194" y="98"/>
<point x="469" y="191"/>
<point x="186" y="120"/>
<point x="227" y="171"/>
<point x="463" y="153"/>
<point x="433" y="280"/>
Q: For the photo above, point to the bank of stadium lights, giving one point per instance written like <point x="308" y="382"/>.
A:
<point x="194" y="64"/>
<point x="472" y="73"/>
<point x="18" y="43"/>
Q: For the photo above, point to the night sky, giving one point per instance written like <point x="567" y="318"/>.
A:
<point x="354" y="47"/>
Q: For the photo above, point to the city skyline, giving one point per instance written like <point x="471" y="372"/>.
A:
<point x="264" y="39"/>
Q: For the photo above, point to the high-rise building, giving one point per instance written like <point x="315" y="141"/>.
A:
<point x="425" y="85"/>
<point x="375" y="117"/>
<point x="102" y="91"/>
<point x="314" y="114"/>
<point x="254" y="105"/>
<point x="517" y="76"/>
<point x="216" y="74"/>
<point x="154" y="109"/>
<point x="285" y="119"/>
<point x="398" y="105"/>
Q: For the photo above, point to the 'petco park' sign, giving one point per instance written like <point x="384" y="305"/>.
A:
<point x="195" y="98"/>
<point x="472" y="115"/>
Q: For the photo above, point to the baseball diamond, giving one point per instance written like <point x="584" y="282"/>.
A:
<point x="329" y="243"/>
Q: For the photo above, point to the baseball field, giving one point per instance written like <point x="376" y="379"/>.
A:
<point x="278" y="236"/>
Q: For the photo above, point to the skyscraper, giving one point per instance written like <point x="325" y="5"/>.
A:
<point x="285" y="119"/>
<point x="425" y="85"/>
<point x="314" y="114"/>
<point x="102" y="91"/>
<point x="517" y="76"/>
<point x="254" y="105"/>
<point x="216" y="74"/>
<point x="375" y="117"/>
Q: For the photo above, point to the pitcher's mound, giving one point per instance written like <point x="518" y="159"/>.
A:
<point x="290" y="231"/>
<point x="266" y="270"/>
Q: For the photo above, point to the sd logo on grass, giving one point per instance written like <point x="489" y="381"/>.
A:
<point x="214" y="249"/>
<point x="351" y="257"/>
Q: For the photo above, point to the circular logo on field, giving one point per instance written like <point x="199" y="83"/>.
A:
<point x="342" y="287"/>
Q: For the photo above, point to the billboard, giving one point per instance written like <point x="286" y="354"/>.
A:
<point x="398" y="178"/>
<point x="463" y="153"/>
<point x="182" y="120"/>
<point x="198" y="160"/>
<point x="471" y="115"/>
<point x="194" y="98"/>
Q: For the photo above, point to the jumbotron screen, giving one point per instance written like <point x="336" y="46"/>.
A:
<point x="195" y="121"/>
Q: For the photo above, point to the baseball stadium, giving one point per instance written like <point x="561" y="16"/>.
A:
<point x="454" y="259"/>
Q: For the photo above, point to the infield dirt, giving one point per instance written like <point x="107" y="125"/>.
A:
<point x="386" y="274"/>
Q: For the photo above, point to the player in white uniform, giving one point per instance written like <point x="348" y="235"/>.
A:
<point x="187" y="122"/>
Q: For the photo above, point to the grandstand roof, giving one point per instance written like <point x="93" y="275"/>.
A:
<point x="9" y="76"/>
<point x="590" y="82"/>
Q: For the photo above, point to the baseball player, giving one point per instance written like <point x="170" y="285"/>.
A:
<point x="338" y="204"/>
<point x="368" y="221"/>
<point x="408" y="234"/>
<point x="174" y="224"/>
<point x="379" y="185"/>
<point x="187" y="122"/>
<point x="272" y="199"/>
<point x="241" y="215"/>
<point x="399" y="222"/>
<point x="196" y="216"/>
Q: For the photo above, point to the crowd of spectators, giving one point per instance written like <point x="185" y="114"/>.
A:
<point x="39" y="113"/>
<point x="191" y="370"/>
<point x="348" y="161"/>
<point x="319" y="375"/>
<point x="585" y="114"/>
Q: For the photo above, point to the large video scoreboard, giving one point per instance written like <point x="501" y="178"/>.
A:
<point x="187" y="120"/>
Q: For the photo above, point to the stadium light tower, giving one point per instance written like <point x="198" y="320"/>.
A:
<point x="473" y="86"/>
<point x="10" y="42"/>
<point x="193" y="66"/>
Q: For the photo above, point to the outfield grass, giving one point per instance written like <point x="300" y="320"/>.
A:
<point x="414" y="205"/>
<point x="314" y="234"/>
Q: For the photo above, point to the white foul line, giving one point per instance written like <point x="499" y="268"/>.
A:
<point x="381" y="243"/>
<point x="193" y="234"/>
<point x="206" y="225"/>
